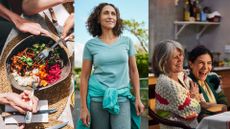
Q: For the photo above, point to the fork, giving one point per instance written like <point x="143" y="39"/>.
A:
<point x="45" y="52"/>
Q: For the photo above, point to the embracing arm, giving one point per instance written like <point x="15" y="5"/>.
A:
<point x="31" y="7"/>
<point x="134" y="76"/>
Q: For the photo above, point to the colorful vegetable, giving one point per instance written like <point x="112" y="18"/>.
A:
<point x="26" y="71"/>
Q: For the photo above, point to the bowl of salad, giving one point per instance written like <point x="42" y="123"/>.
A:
<point x="24" y="71"/>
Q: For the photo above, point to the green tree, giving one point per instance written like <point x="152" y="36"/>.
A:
<point x="137" y="30"/>
<point x="142" y="63"/>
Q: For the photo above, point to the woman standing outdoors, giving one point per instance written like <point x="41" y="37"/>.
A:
<point x="106" y="101"/>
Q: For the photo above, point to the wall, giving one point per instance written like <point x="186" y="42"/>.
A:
<point x="164" y="12"/>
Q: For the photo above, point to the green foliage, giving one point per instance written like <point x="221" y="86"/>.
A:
<point x="77" y="72"/>
<point x="137" y="29"/>
<point x="142" y="64"/>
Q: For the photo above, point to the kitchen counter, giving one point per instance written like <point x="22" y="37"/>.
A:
<point x="215" y="69"/>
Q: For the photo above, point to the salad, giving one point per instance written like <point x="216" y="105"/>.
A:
<point x="26" y="71"/>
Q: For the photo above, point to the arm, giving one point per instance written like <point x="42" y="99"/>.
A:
<point x="31" y="7"/>
<point x="20" y="23"/>
<point x="69" y="24"/>
<point x="7" y="14"/>
<point x="3" y="98"/>
<point x="86" y="70"/>
<point x="134" y="76"/>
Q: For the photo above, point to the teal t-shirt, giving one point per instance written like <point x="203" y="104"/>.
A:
<point x="110" y="61"/>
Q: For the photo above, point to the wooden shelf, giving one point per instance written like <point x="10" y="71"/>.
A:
<point x="181" y="25"/>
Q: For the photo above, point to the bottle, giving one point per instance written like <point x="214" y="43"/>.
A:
<point x="203" y="16"/>
<point x="198" y="11"/>
<point x="186" y="11"/>
<point x="194" y="9"/>
<point x="191" y="10"/>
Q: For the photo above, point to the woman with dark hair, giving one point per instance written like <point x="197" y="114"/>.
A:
<point x="106" y="101"/>
<point x="200" y="63"/>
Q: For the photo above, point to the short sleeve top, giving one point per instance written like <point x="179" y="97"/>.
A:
<point x="110" y="61"/>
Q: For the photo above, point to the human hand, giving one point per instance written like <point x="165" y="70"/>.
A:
<point x="27" y="26"/>
<point x="26" y="97"/>
<point x="206" y="105"/>
<point x="19" y="101"/>
<point x="193" y="87"/>
<point x="85" y="116"/>
<point x="139" y="107"/>
<point x="69" y="24"/>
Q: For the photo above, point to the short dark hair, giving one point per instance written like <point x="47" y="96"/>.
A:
<point x="94" y="27"/>
<point x="198" y="51"/>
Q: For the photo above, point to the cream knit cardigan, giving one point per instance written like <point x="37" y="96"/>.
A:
<point x="175" y="98"/>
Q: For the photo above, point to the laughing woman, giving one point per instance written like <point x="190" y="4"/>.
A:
<point x="200" y="63"/>
<point x="106" y="101"/>
<point x="174" y="100"/>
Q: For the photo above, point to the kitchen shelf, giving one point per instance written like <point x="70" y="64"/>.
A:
<point x="181" y="25"/>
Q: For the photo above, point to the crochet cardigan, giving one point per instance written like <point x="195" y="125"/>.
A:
<point x="174" y="97"/>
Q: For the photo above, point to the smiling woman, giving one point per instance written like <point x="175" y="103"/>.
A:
<point x="200" y="63"/>
<point x="106" y="100"/>
<point x="104" y="16"/>
<point x="173" y="100"/>
<point x="108" y="18"/>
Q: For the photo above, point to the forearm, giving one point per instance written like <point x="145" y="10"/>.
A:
<point x="7" y="14"/>
<point x="85" y="73"/>
<point x="134" y="76"/>
<point x="3" y="98"/>
<point x="84" y="92"/>
<point x="31" y="7"/>
<point x="135" y="82"/>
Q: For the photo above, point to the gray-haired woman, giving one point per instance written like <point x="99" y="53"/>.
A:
<point x="174" y="100"/>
